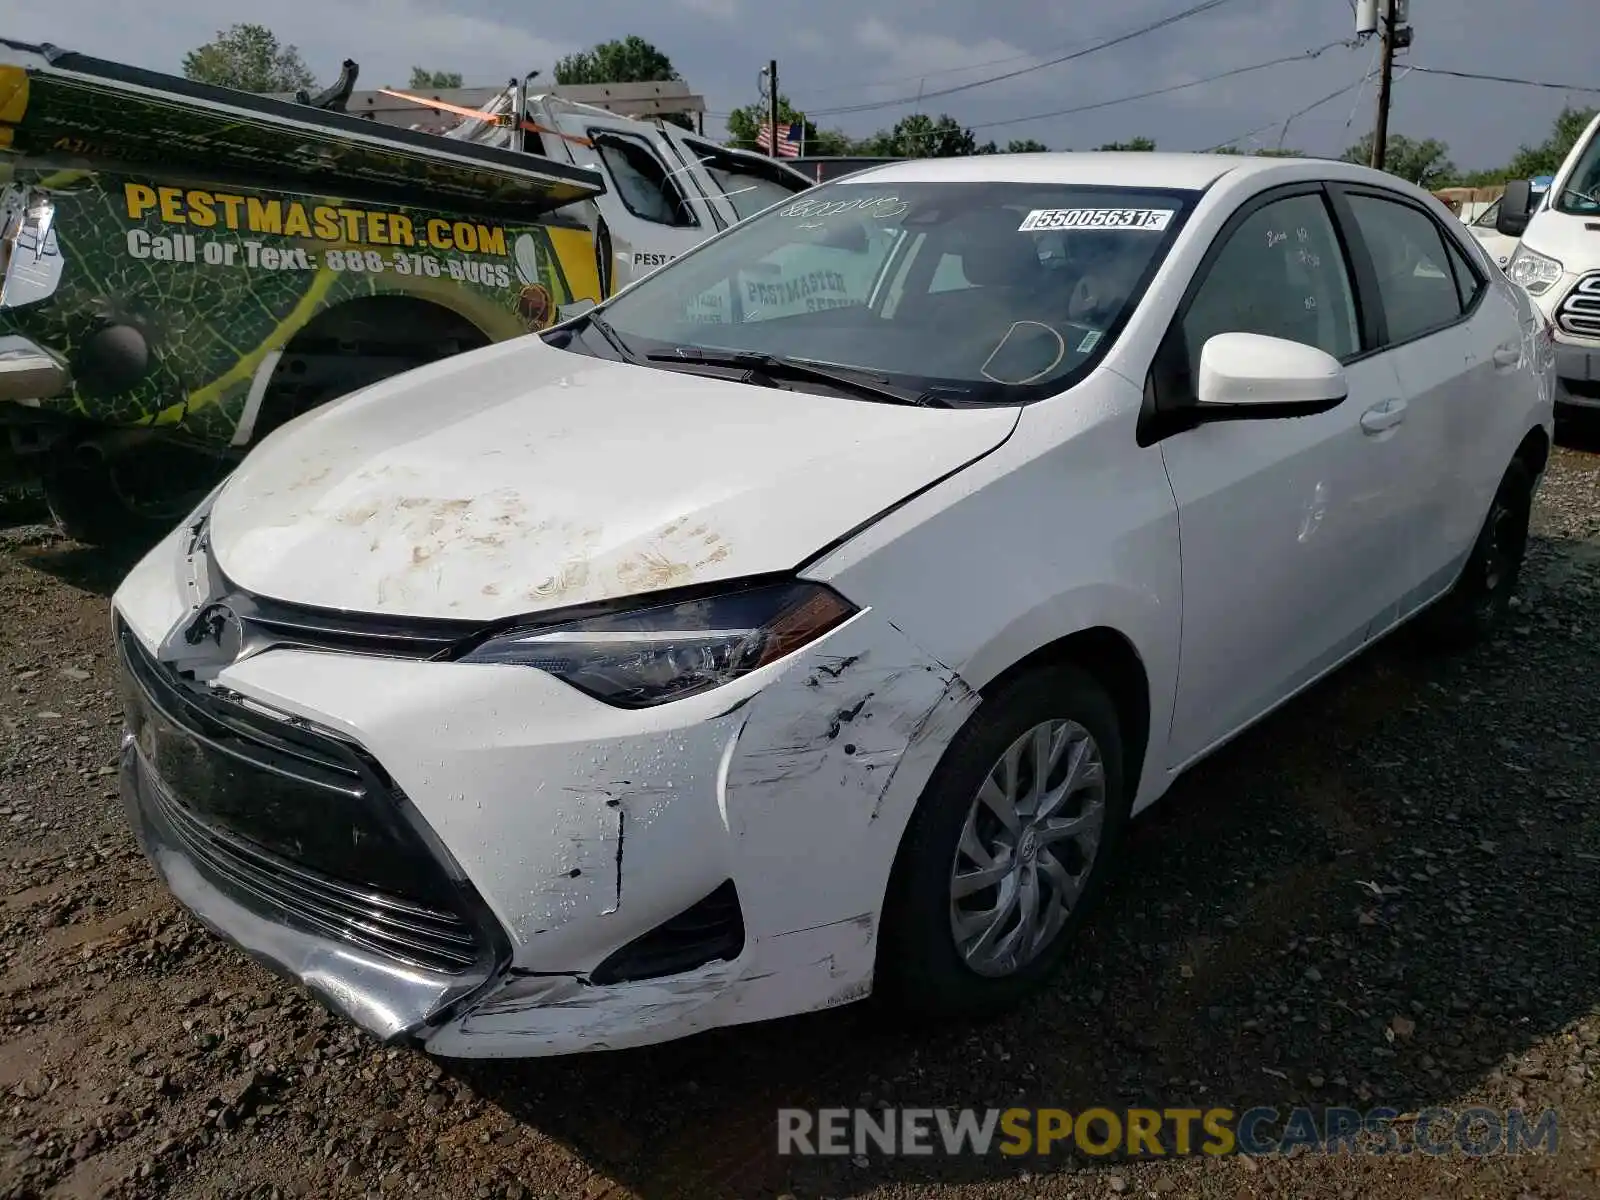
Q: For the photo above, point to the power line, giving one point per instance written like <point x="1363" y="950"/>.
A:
<point x="1331" y="96"/>
<point x="1538" y="83"/>
<point x="1563" y="87"/>
<point x="1176" y="87"/>
<point x="1193" y="10"/>
<point x="921" y="75"/>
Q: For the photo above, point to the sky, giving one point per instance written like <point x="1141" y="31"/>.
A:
<point x="838" y="54"/>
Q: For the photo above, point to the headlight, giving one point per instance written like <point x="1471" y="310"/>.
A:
<point x="653" y="655"/>
<point x="1534" y="271"/>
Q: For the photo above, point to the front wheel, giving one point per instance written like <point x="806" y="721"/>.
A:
<point x="1008" y="850"/>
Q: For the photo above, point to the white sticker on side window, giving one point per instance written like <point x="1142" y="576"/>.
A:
<point x="1153" y="219"/>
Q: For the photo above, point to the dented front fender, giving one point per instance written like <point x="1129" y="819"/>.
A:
<point x="814" y="792"/>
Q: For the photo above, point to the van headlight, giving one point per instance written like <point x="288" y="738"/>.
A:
<point x="1535" y="272"/>
<point x="652" y="655"/>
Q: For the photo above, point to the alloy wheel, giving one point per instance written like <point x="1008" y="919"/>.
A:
<point x="1027" y="847"/>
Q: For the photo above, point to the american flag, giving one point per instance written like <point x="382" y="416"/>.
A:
<point x="789" y="138"/>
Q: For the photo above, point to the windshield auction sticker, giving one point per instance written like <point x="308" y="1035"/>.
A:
<point x="1153" y="219"/>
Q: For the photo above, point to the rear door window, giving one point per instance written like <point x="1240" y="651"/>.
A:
<point x="1416" y="280"/>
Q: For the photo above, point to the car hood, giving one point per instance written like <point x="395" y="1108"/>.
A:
<point x="521" y="478"/>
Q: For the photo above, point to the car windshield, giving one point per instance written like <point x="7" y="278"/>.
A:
<point x="1581" y="195"/>
<point x="980" y="291"/>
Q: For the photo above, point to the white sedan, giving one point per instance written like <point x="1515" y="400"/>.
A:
<point x="808" y="620"/>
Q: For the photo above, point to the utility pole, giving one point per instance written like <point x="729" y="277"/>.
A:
<point x="1380" y="132"/>
<point x="772" y="108"/>
<point x="1396" y="35"/>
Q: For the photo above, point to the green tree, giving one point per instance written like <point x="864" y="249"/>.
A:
<point x="1548" y="155"/>
<point x="744" y="123"/>
<point x="249" y="58"/>
<point x="1425" y="163"/>
<point x="1014" y="146"/>
<point x="423" y="79"/>
<point x="922" y="136"/>
<point x="623" y="60"/>
<point x="1138" y="143"/>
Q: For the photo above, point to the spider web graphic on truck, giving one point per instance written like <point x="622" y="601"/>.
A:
<point x="215" y="278"/>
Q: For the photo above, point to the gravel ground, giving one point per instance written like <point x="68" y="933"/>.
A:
<point x="1384" y="895"/>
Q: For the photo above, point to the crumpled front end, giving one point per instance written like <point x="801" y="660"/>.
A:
<point x="480" y="859"/>
<point x="295" y="844"/>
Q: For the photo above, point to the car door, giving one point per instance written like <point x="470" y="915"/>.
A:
<point x="736" y="185"/>
<point x="1292" y="541"/>
<point x="1452" y="342"/>
<point x="651" y="216"/>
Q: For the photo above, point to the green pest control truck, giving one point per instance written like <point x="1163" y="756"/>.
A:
<point x="184" y="268"/>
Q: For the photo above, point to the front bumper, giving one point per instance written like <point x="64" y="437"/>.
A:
<point x="395" y="942"/>
<point x="586" y="831"/>
<point x="1578" y="375"/>
<point x="28" y="372"/>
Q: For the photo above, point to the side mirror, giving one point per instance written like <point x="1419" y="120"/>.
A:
<point x="1246" y="376"/>
<point x="1516" y="207"/>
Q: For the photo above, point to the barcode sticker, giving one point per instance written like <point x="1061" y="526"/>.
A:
<point x="1153" y="219"/>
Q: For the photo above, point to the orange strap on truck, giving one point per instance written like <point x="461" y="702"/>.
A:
<point x="479" y="115"/>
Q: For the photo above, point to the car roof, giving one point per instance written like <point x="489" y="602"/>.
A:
<point x="1152" y="169"/>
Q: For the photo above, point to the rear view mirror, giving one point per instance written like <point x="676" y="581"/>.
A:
<point x="1515" y="208"/>
<point x="575" y="309"/>
<point x="1249" y="375"/>
<point x="847" y="235"/>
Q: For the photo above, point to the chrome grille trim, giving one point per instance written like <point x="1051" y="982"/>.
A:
<point x="1578" y="314"/>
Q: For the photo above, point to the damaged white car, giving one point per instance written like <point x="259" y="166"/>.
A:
<point x="809" y="619"/>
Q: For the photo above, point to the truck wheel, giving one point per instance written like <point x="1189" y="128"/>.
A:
<point x="87" y="507"/>
<point x="90" y="505"/>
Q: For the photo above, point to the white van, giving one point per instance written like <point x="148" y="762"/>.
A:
<point x="1558" y="263"/>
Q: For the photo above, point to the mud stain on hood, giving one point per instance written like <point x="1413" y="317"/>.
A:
<point x="410" y="502"/>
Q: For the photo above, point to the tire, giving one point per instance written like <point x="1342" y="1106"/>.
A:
<point x="1472" y="610"/>
<point x="922" y="970"/>
<point x="90" y="506"/>
<point x="87" y="507"/>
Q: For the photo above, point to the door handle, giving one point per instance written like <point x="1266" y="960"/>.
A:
<point x="1507" y="356"/>
<point x="1383" y="416"/>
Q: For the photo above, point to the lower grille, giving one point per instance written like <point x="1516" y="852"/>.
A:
<point x="297" y="824"/>
<point x="437" y="941"/>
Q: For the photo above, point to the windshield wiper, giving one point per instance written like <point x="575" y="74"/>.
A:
<point x="603" y="328"/>
<point x="861" y="383"/>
